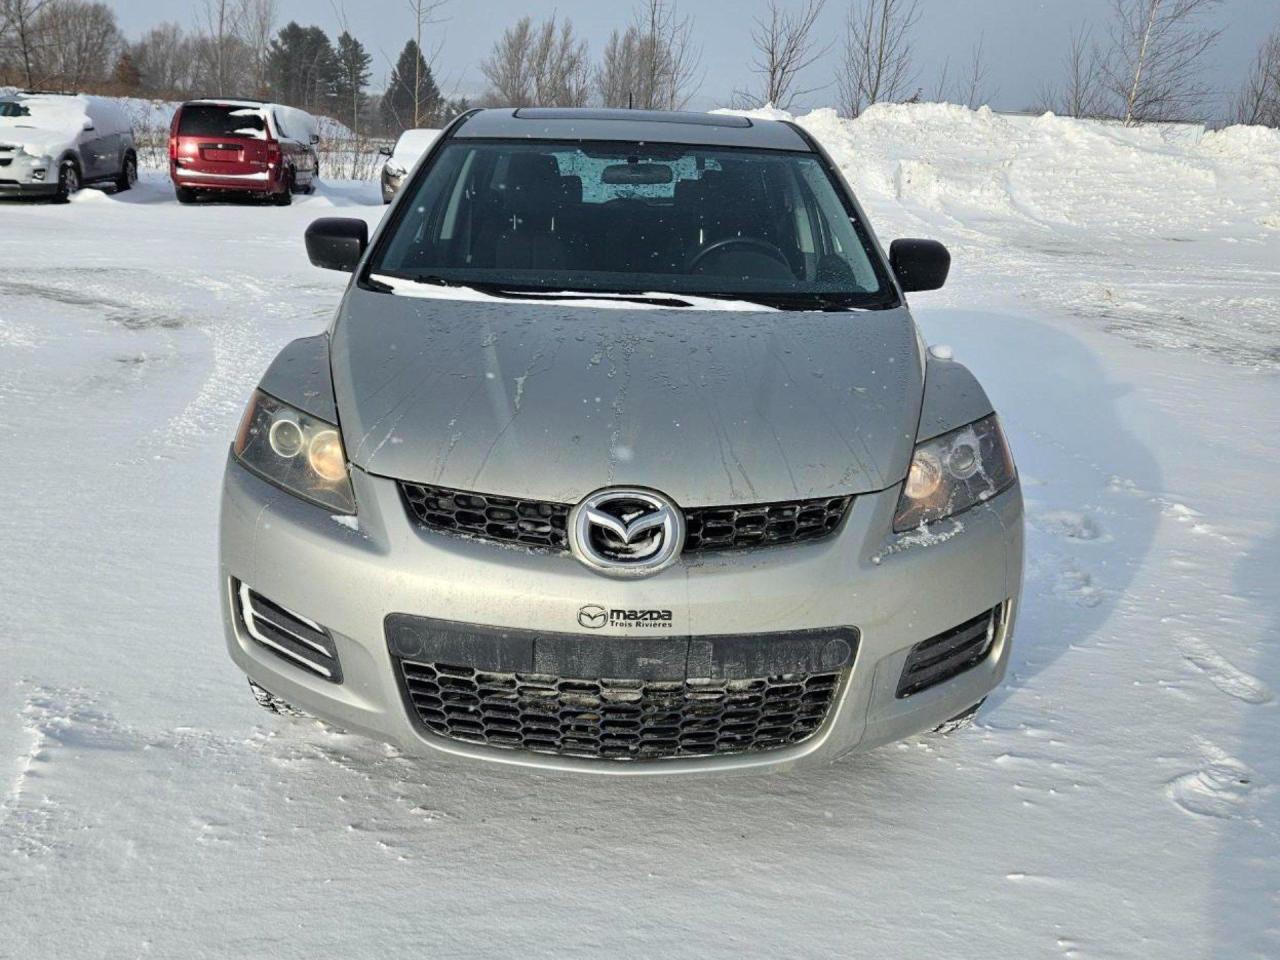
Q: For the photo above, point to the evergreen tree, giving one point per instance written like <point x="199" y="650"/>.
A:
<point x="303" y="69"/>
<point x="351" y="80"/>
<point x="400" y="108"/>
<point x="126" y="78"/>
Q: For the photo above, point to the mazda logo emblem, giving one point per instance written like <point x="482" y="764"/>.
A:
<point x="593" y="617"/>
<point x="626" y="532"/>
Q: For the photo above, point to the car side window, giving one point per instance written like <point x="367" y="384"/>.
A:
<point x="281" y="129"/>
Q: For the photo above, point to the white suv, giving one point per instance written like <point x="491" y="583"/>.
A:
<point x="52" y="144"/>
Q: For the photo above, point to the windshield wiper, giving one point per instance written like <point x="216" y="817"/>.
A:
<point x="512" y="293"/>
<point x="808" y="301"/>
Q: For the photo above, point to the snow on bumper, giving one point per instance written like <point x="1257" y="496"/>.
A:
<point x="350" y="576"/>
<point x="26" y="174"/>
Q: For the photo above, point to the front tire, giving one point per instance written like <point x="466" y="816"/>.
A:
<point x="128" y="174"/>
<point x="68" y="181"/>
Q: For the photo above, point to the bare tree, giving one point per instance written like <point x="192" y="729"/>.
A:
<point x="424" y="15"/>
<point x="653" y="64"/>
<point x="1154" y="67"/>
<point x="18" y="33"/>
<point x="221" y="54"/>
<point x="940" y="84"/>
<point x="785" y="47"/>
<point x="257" y="26"/>
<point x="617" y="75"/>
<point x="1081" y="93"/>
<point x="165" y="58"/>
<point x="973" y="91"/>
<point x="538" y="66"/>
<point x="876" y="64"/>
<point x="79" y="44"/>
<point x="1258" y="101"/>
<point x="562" y="71"/>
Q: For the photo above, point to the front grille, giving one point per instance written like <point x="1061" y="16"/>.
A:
<point x="544" y="523"/>
<point x="618" y="719"/>
<point x="732" y="528"/>
<point x="288" y="635"/>
<point x="949" y="654"/>
<point x="505" y="519"/>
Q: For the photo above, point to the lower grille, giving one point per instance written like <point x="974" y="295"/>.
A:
<point x="646" y="695"/>
<point x="288" y="635"/>
<point x="949" y="654"/>
<point x="618" y="719"/>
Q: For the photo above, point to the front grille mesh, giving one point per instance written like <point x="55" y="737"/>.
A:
<point x="617" y="719"/>
<point x="506" y="519"/>
<point x="544" y="523"/>
<point x="732" y="528"/>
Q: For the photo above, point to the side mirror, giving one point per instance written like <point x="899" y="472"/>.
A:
<point x="384" y="151"/>
<point x="337" y="243"/>
<point x="919" y="264"/>
<point x="315" y="138"/>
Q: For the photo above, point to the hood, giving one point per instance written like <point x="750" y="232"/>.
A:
<point x="38" y="143"/>
<point x="550" y="402"/>
<point x="51" y="125"/>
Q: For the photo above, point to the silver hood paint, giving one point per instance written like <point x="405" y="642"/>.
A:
<point x="550" y="402"/>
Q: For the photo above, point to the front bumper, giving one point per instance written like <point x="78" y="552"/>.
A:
<point x="895" y="591"/>
<point x="11" y="189"/>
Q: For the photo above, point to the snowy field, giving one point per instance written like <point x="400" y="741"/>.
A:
<point x="1119" y="295"/>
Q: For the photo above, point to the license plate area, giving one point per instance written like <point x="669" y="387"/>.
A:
<point x="221" y="154"/>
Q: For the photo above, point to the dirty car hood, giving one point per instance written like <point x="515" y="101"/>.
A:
<point x="551" y="402"/>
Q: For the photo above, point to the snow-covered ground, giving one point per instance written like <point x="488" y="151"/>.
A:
<point x="1119" y="295"/>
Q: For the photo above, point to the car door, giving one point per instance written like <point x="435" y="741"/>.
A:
<point x="99" y="144"/>
<point x="297" y="153"/>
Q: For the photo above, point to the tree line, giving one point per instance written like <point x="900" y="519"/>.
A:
<point x="233" y="49"/>
<point x="1142" y="63"/>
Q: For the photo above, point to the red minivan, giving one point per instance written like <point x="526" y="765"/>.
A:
<point x="242" y="145"/>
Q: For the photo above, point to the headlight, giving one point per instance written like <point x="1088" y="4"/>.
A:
<point x="953" y="472"/>
<point x="295" y="451"/>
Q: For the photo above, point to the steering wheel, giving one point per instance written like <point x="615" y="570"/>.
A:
<point x="760" y="246"/>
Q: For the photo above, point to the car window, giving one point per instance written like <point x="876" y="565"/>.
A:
<point x="635" y="217"/>
<point x="12" y="108"/>
<point x="221" y="120"/>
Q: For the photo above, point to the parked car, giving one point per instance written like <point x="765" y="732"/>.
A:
<point x="52" y="144"/>
<point x="401" y="158"/>
<point x="242" y="146"/>
<point x="622" y="453"/>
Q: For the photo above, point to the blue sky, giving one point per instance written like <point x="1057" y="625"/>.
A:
<point x="1024" y="39"/>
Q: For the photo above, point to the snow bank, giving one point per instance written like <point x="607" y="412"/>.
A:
<point x="1050" y="170"/>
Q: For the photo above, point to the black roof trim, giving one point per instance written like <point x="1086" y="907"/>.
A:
<point x="631" y="126"/>
<point x="633" y="116"/>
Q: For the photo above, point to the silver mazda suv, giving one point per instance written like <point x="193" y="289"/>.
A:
<point x="622" y="454"/>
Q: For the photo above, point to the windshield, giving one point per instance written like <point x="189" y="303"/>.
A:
<point x="221" y="120"/>
<point x="626" y="218"/>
